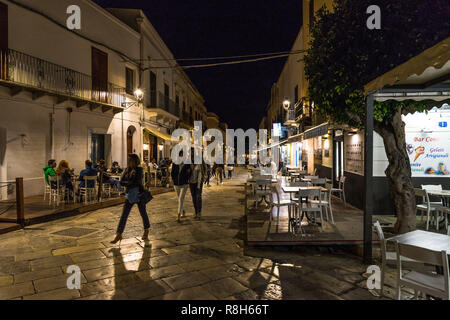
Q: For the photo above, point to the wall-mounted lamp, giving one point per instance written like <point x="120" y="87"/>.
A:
<point x="146" y="147"/>
<point x="286" y="104"/>
<point x="139" y="95"/>
<point x="160" y="147"/>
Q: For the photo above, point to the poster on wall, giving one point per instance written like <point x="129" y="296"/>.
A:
<point x="428" y="153"/>
<point x="354" y="153"/>
<point x="318" y="148"/>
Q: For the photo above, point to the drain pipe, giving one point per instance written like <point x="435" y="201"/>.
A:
<point x="52" y="133"/>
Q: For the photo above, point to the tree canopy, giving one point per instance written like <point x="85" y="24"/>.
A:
<point x="344" y="54"/>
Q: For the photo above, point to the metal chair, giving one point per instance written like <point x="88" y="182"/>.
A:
<point x="422" y="282"/>
<point x="340" y="189"/>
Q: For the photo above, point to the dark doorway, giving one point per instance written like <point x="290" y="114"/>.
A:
<point x="152" y="90"/>
<point x="99" y="75"/>
<point x="98" y="147"/>
<point x="3" y="40"/>
<point x="130" y="133"/>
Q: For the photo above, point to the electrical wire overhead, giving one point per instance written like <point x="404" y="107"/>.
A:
<point x="261" y="57"/>
<point x="229" y="57"/>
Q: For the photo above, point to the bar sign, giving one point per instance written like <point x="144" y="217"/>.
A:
<point x="443" y="124"/>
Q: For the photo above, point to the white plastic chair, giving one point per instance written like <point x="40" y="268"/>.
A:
<point x="423" y="282"/>
<point x="340" y="189"/>
<point x="279" y="203"/>
<point x="325" y="202"/>
<point x="426" y="206"/>
<point x="387" y="257"/>
<point x="310" y="205"/>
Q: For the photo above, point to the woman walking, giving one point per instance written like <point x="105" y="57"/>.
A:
<point x="132" y="180"/>
<point x="180" y="176"/>
<point x="198" y="177"/>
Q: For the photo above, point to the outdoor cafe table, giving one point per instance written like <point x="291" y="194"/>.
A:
<point x="290" y="190"/>
<point x="424" y="239"/>
<point x="261" y="183"/>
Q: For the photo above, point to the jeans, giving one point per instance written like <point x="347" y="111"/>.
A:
<point x="230" y="174"/>
<point x="126" y="212"/>
<point x="116" y="183"/>
<point x="196" y="193"/>
<point x="181" y="193"/>
<point x="208" y="177"/>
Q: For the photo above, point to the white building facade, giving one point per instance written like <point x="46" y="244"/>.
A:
<point x="68" y="94"/>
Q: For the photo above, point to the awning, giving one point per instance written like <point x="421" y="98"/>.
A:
<point x="425" y="70"/>
<point x="273" y="145"/>
<point x="161" y="135"/>
<point x="316" y="131"/>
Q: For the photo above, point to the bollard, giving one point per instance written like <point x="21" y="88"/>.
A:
<point x="20" y="202"/>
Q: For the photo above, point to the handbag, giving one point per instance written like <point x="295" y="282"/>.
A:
<point x="146" y="196"/>
<point x="133" y="196"/>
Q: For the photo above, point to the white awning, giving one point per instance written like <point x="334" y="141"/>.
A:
<point x="425" y="70"/>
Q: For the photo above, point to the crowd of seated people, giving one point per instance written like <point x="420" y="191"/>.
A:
<point x="66" y="175"/>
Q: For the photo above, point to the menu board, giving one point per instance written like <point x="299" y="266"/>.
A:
<point x="354" y="154"/>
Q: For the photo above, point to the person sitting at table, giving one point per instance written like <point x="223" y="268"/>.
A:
<point x="106" y="178"/>
<point x="88" y="172"/>
<point x="49" y="171"/>
<point x="65" y="174"/>
<point x="116" y="169"/>
<point x="153" y="164"/>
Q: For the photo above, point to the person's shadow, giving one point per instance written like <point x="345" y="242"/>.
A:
<point x="127" y="278"/>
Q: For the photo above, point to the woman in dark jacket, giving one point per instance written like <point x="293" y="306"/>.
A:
<point x="132" y="180"/>
<point x="181" y="174"/>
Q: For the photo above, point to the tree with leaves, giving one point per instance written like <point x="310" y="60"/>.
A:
<point x="344" y="55"/>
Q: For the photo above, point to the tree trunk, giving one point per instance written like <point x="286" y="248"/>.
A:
<point x="399" y="172"/>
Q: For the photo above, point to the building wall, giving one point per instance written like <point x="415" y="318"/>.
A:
<point x="27" y="122"/>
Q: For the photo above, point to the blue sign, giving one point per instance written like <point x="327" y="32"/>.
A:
<point x="443" y="124"/>
<point x="277" y="129"/>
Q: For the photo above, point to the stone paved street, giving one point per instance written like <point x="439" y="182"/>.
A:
<point x="192" y="260"/>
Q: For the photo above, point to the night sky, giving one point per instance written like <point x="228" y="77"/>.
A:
<point x="209" y="28"/>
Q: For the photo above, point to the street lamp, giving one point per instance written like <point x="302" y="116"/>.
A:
<point x="139" y="95"/>
<point x="286" y="104"/>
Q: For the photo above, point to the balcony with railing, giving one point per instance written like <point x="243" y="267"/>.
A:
<point x="164" y="106"/>
<point x="22" y="72"/>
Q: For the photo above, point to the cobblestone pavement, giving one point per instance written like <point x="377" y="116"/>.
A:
<point x="192" y="260"/>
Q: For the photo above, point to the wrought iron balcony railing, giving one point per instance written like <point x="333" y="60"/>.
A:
<point x="187" y="118"/>
<point x="167" y="104"/>
<point x="20" y="68"/>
